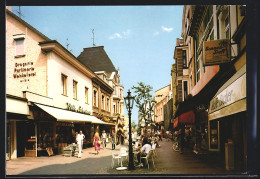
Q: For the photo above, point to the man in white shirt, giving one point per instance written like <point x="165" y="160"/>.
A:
<point x="80" y="138"/>
<point x="104" y="137"/>
<point x="144" y="150"/>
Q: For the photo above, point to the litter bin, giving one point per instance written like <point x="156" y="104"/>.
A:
<point x="229" y="155"/>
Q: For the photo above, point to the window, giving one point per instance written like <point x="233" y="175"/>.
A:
<point x="108" y="104"/>
<point x="227" y="27"/>
<point x="114" y="106"/>
<point x="198" y="69"/>
<point x="95" y="98"/>
<point x="185" y="90"/>
<point x="19" y="47"/>
<point x="86" y="95"/>
<point x="103" y="102"/>
<point x="19" y="44"/>
<point x="64" y="84"/>
<point x="184" y="58"/>
<point x="75" y="94"/>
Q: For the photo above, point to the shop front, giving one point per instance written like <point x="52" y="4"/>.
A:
<point x="227" y="122"/>
<point x="18" y="127"/>
<point x="56" y="128"/>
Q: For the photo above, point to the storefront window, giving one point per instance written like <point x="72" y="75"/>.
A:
<point x="214" y="135"/>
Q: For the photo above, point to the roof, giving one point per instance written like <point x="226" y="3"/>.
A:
<point x="96" y="59"/>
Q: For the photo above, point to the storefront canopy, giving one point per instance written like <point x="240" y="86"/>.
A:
<point x="187" y="117"/>
<point x="231" y="97"/>
<point x="70" y="116"/>
<point x="175" y="123"/>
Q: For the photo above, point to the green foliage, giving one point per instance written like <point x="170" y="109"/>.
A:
<point x="143" y="98"/>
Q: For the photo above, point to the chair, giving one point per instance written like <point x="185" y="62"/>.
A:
<point x="148" y="157"/>
<point x="115" y="156"/>
<point x="154" y="150"/>
<point x="123" y="152"/>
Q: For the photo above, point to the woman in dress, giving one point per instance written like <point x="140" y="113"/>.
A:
<point x="96" y="144"/>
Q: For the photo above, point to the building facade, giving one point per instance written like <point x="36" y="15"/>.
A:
<point x="48" y="91"/>
<point x="162" y="96"/>
<point x="216" y="41"/>
<point x="98" y="61"/>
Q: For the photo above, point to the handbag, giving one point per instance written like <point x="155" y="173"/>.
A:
<point x="99" y="142"/>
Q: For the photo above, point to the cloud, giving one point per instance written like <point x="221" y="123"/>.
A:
<point x="115" y="35"/>
<point x="127" y="33"/>
<point x="124" y="34"/>
<point x="155" y="33"/>
<point x="167" y="29"/>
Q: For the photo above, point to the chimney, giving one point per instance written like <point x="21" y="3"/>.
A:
<point x="10" y="8"/>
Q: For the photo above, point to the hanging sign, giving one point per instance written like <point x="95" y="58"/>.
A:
<point x="216" y="52"/>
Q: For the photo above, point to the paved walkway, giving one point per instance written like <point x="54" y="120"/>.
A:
<point x="89" y="163"/>
<point x="168" y="162"/>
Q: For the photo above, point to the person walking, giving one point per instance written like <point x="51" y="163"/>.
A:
<point x="167" y="135"/>
<point x="113" y="142"/>
<point x="80" y="138"/>
<point x="96" y="142"/>
<point x="104" y="137"/>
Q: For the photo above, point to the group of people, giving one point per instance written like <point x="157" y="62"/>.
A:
<point x="103" y="139"/>
<point x="98" y="140"/>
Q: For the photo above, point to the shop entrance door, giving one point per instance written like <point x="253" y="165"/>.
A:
<point x="20" y="136"/>
<point x="8" y="142"/>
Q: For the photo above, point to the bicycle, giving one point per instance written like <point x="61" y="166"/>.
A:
<point x="175" y="146"/>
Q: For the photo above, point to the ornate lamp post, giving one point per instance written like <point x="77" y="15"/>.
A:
<point x="129" y="102"/>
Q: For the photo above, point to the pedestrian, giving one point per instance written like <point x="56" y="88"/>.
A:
<point x="97" y="142"/>
<point x="104" y="137"/>
<point x="167" y="135"/>
<point x="160" y="136"/>
<point x="113" y="135"/>
<point x="80" y="138"/>
<point x="133" y="137"/>
<point x="144" y="150"/>
<point x="76" y="135"/>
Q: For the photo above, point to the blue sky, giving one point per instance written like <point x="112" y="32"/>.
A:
<point x="139" y="40"/>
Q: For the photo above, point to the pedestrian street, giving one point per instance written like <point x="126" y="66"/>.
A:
<point x="168" y="162"/>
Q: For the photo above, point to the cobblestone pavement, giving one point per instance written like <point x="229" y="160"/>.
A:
<point x="168" y="162"/>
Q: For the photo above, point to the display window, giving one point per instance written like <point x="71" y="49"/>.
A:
<point x="214" y="143"/>
<point x="45" y="135"/>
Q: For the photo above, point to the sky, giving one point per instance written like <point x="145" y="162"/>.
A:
<point x="139" y="40"/>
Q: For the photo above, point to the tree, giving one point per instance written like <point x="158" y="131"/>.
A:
<point x="144" y="100"/>
<point x="133" y="124"/>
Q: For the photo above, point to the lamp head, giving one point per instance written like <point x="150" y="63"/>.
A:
<point x="129" y="101"/>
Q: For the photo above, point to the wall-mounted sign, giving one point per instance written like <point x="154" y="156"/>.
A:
<point x="231" y="94"/>
<point x="216" y="52"/>
<point x="24" y="71"/>
<point x="80" y="109"/>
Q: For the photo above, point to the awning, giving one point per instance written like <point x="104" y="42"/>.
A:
<point x="188" y="117"/>
<point x="175" y="123"/>
<point x="231" y="97"/>
<point x="69" y="116"/>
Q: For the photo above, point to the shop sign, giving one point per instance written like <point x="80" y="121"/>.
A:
<point x="216" y="52"/>
<point x="65" y="124"/>
<point x="231" y="94"/>
<point x="24" y="71"/>
<point x="72" y="107"/>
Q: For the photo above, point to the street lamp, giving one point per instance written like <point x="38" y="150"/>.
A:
<point x="129" y="102"/>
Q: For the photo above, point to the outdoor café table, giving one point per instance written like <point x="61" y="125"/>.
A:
<point x="122" y="167"/>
